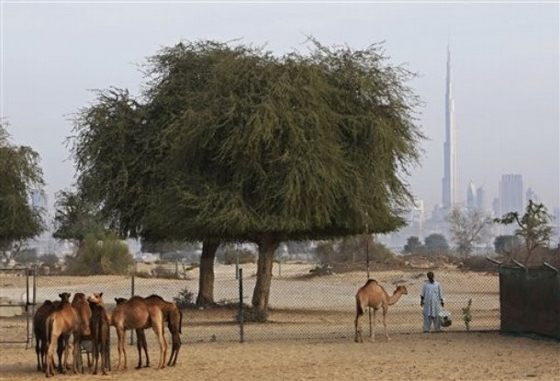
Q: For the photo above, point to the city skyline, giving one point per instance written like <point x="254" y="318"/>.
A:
<point x="505" y="73"/>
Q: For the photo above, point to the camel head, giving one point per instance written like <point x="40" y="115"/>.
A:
<point x="401" y="290"/>
<point x="96" y="298"/>
<point x="64" y="297"/>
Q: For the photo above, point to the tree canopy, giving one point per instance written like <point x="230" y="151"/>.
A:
<point x="20" y="173"/>
<point x="232" y="143"/>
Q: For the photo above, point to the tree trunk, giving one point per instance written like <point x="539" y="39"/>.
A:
<point x="267" y="247"/>
<point x="206" y="277"/>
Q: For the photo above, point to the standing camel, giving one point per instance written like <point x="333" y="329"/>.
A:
<point x="82" y="332"/>
<point x="39" y="330"/>
<point x="372" y="294"/>
<point x="100" y="333"/>
<point x="174" y="318"/>
<point x="60" y="324"/>
<point x="135" y="313"/>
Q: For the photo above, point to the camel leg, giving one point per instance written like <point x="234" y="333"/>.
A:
<point x="176" y="342"/>
<point x="158" y="329"/>
<point x="139" y="334"/>
<point x="76" y="353"/>
<point x="50" y="355"/>
<point x="385" y="322"/>
<point x="120" y="333"/>
<point x="373" y="325"/>
<point x="358" y="329"/>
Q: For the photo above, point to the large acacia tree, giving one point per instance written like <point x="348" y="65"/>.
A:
<point x="234" y="144"/>
<point x="20" y="173"/>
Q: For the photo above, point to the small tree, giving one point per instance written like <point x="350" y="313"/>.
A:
<point x="533" y="227"/>
<point x="436" y="243"/>
<point x="413" y="245"/>
<point x="469" y="228"/>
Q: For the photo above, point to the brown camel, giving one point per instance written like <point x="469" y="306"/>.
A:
<point x="81" y="306"/>
<point x="60" y="324"/>
<point x="372" y="294"/>
<point x="174" y="317"/>
<point x="100" y="332"/>
<point x="39" y="330"/>
<point x="135" y="313"/>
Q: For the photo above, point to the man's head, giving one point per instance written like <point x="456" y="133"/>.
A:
<point x="430" y="276"/>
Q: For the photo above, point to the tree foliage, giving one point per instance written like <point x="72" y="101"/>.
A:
<point x="413" y="245"/>
<point x="468" y="228"/>
<point x="76" y="217"/>
<point x="436" y="243"/>
<point x="534" y="227"/>
<point x="19" y="174"/>
<point x="233" y="143"/>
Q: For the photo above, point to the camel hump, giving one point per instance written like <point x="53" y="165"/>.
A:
<point x="371" y="281"/>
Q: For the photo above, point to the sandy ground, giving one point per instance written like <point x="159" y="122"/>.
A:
<point x="310" y="331"/>
<point x="449" y="356"/>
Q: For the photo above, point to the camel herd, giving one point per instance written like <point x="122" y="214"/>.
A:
<point x="87" y="319"/>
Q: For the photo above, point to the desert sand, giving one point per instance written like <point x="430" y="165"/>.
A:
<point x="447" y="356"/>
<point x="310" y="331"/>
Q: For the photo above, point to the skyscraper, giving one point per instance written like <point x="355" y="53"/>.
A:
<point x="511" y="194"/>
<point x="449" y="181"/>
<point x="471" y="196"/>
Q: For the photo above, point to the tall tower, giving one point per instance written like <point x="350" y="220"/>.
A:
<point x="449" y="181"/>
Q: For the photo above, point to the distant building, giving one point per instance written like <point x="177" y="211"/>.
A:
<point x="481" y="198"/>
<point x="511" y="194"/>
<point x="511" y="198"/>
<point x="531" y="195"/>
<point x="471" y="196"/>
<point x="450" y="175"/>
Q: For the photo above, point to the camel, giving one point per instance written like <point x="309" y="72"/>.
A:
<point x="82" y="332"/>
<point x="372" y="294"/>
<point x="135" y="313"/>
<point x="39" y="320"/>
<point x="174" y="317"/>
<point x="40" y="332"/>
<point x="60" y="324"/>
<point x="100" y="333"/>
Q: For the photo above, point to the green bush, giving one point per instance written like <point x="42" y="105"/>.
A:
<point x="185" y="299"/>
<point x="109" y="256"/>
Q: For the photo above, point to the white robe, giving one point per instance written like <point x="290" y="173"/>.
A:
<point x="433" y="295"/>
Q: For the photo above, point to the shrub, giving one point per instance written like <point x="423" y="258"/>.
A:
<point x="477" y="263"/>
<point x="245" y="256"/>
<point x="109" y="257"/>
<point x="185" y="299"/>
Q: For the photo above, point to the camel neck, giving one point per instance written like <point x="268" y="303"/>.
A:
<point x="394" y="298"/>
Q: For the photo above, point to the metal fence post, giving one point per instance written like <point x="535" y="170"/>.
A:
<point x="131" y="295"/>
<point x="241" y="333"/>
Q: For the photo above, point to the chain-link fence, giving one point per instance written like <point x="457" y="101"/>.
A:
<point x="307" y="300"/>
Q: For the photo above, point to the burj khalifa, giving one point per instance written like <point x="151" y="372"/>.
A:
<point x="449" y="181"/>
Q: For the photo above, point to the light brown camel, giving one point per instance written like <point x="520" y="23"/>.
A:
<point x="100" y="333"/>
<point x="135" y="313"/>
<point x="174" y="318"/>
<point x="60" y="324"/>
<point x="373" y="295"/>
<point x="82" y="332"/>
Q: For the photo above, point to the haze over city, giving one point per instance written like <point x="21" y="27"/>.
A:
<point x="505" y="62"/>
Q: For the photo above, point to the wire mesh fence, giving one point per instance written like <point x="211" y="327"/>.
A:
<point x="302" y="303"/>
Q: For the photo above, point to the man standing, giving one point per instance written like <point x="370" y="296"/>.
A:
<point x="431" y="298"/>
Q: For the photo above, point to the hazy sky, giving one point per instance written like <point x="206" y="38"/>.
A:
<point x="505" y="66"/>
